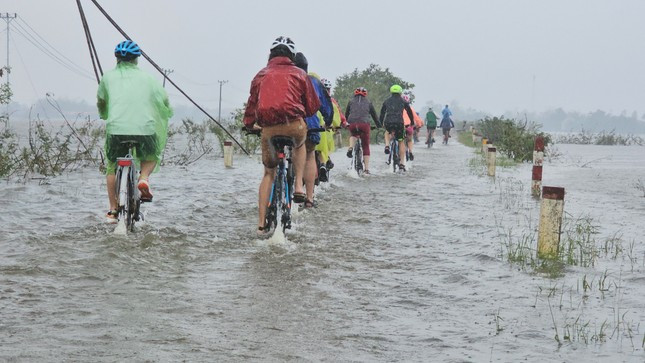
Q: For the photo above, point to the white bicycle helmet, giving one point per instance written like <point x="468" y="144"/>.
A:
<point x="326" y="83"/>
<point x="286" y="41"/>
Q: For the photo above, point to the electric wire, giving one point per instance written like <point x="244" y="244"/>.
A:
<point x="22" y="20"/>
<point x="52" y="56"/>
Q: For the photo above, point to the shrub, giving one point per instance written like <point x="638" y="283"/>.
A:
<point x="512" y="138"/>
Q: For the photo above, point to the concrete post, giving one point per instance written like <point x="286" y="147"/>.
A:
<point x="551" y="211"/>
<point x="492" y="158"/>
<point x="228" y="154"/>
<point x="538" y="161"/>
<point x="484" y="142"/>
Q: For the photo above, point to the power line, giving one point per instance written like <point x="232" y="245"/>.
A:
<point x="67" y="64"/>
<point x="53" y="56"/>
<point x="21" y="20"/>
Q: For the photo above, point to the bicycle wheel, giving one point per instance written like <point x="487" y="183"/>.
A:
<point x="358" y="156"/>
<point x="124" y="194"/>
<point x="395" y="154"/>
<point x="286" y="207"/>
<point x="133" y="199"/>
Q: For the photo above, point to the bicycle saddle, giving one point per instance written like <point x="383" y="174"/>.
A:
<point x="281" y="141"/>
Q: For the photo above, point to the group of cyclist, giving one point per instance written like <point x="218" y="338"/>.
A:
<point x="284" y="101"/>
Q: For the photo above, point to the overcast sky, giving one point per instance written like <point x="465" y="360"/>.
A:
<point x="493" y="55"/>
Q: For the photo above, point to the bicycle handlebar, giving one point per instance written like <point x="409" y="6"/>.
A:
<point x="258" y="132"/>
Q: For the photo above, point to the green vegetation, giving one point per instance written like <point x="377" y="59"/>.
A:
<point x="512" y="138"/>
<point x="376" y="80"/>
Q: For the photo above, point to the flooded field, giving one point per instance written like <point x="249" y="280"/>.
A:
<point x="390" y="267"/>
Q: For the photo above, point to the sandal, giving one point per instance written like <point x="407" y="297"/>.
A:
<point x="299" y="198"/>
<point x="112" y="217"/>
<point x="310" y="204"/>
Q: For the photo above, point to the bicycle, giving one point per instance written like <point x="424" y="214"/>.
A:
<point x="128" y="195"/>
<point x="393" y="158"/>
<point x="430" y="138"/>
<point x="281" y="196"/>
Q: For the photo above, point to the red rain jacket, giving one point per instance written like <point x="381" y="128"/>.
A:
<point x="280" y="93"/>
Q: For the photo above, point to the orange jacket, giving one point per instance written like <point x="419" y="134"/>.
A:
<point x="417" y="120"/>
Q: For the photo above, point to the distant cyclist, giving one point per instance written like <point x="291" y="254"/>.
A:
<point x="358" y="111"/>
<point x="431" y="125"/>
<point x="446" y="123"/>
<point x="392" y="118"/>
<point x="281" y="97"/>
<point x="314" y="121"/>
<point x="411" y="125"/>
<point x="135" y="107"/>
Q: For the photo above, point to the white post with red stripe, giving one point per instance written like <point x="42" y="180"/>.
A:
<point x="228" y="154"/>
<point x="538" y="161"/>
<point x="551" y="211"/>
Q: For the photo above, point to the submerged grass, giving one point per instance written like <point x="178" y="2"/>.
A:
<point x="578" y="247"/>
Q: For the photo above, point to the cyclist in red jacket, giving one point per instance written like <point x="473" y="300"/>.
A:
<point x="281" y="97"/>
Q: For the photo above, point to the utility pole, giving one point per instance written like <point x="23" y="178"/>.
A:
<point x="166" y="72"/>
<point x="219" y="109"/>
<point x="8" y="18"/>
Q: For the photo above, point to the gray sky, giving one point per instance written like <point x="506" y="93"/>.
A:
<point x="584" y="54"/>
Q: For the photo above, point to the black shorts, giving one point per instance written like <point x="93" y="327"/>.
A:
<point x="146" y="147"/>
<point x="399" y="131"/>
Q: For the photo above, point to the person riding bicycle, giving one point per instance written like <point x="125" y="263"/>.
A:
<point x="410" y="125"/>
<point x="136" y="108"/>
<point x="431" y="125"/>
<point x="281" y="96"/>
<point x="326" y="112"/>
<point x="446" y="123"/>
<point x="327" y="144"/>
<point x="357" y="113"/>
<point x="392" y="118"/>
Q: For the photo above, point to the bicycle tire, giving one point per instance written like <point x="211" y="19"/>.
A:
<point x="123" y="193"/>
<point x="394" y="149"/>
<point x="286" y="213"/>
<point x="358" y="153"/>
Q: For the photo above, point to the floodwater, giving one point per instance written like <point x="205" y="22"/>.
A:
<point x="387" y="268"/>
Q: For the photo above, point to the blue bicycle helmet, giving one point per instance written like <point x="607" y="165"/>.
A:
<point x="127" y="49"/>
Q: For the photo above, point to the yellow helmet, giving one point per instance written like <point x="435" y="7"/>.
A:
<point x="396" y="89"/>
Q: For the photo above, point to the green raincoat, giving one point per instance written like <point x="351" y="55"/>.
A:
<point x="133" y="103"/>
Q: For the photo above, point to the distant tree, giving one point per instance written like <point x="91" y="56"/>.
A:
<point x="376" y="80"/>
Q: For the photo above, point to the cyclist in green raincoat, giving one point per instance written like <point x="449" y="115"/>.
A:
<point x="135" y="107"/>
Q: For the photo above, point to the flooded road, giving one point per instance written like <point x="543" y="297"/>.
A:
<point x="387" y="268"/>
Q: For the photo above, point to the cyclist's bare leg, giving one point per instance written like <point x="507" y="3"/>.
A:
<point x="410" y="142"/>
<point x="366" y="161"/>
<point x="299" y="157"/>
<point x="264" y="194"/>
<point x="146" y="169"/>
<point x="310" y="174"/>
<point x="352" y="142"/>
<point x="111" y="189"/>
<point x="387" y="139"/>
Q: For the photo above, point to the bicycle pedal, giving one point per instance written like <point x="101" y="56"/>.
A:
<point x="146" y="200"/>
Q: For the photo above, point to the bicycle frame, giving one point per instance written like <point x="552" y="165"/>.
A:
<point x="281" y="191"/>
